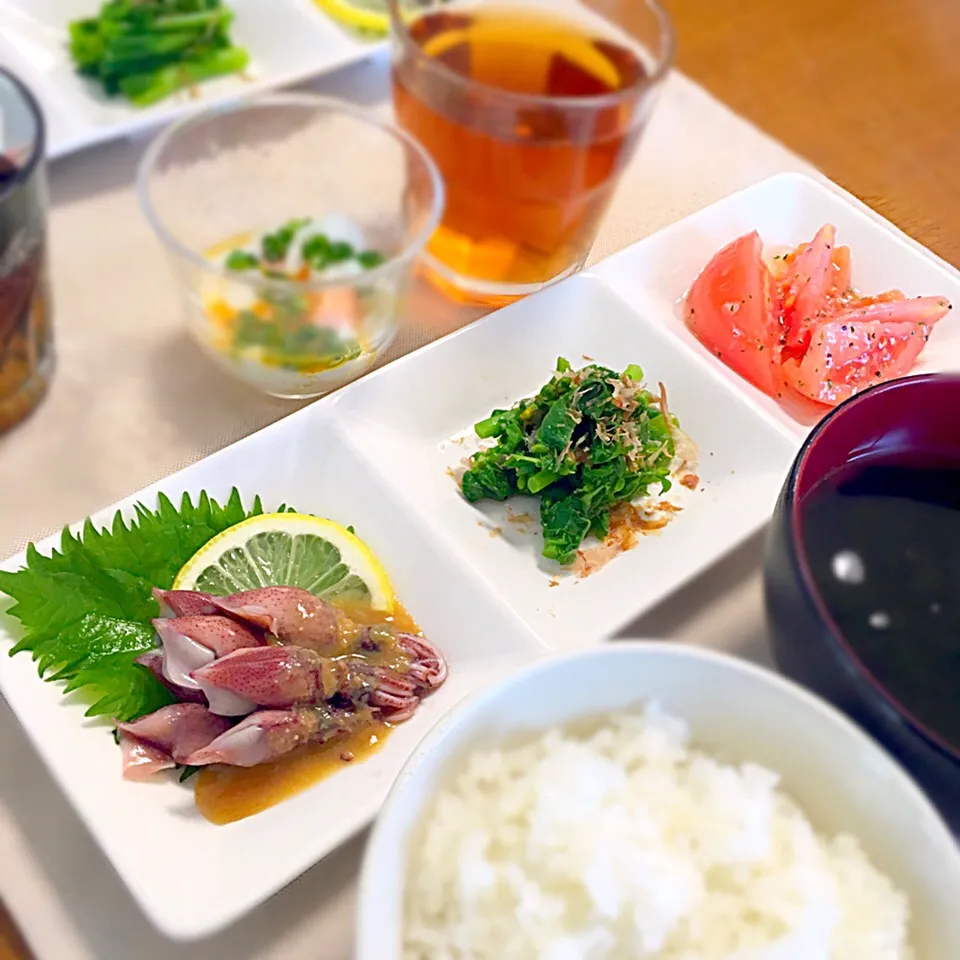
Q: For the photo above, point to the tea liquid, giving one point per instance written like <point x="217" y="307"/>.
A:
<point x="527" y="179"/>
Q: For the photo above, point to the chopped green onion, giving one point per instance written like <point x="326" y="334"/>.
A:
<point x="242" y="260"/>
<point x="369" y="259"/>
<point x="316" y="251"/>
<point x="340" y="251"/>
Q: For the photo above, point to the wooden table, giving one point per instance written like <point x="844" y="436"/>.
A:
<point x="868" y="90"/>
<point x="12" y="946"/>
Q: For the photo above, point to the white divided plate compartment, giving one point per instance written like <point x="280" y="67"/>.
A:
<point x="288" y="41"/>
<point x="220" y="872"/>
<point x="787" y="210"/>
<point x="402" y="420"/>
<point x="376" y="454"/>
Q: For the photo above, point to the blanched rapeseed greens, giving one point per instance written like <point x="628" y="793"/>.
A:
<point x="591" y="438"/>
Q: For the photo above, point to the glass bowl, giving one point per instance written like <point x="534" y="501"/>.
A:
<point x="292" y="223"/>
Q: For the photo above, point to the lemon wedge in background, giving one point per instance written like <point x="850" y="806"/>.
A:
<point x="365" y="16"/>
<point x="291" y="550"/>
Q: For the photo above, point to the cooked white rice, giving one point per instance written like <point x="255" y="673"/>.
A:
<point x="628" y="843"/>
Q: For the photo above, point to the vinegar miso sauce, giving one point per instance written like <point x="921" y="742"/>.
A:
<point x="224" y="794"/>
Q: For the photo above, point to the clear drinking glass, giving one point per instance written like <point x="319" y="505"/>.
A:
<point x="231" y="180"/>
<point x="26" y="340"/>
<point x="531" y="109"/>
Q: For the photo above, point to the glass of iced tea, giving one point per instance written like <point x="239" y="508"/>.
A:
<point x="531" y="109"/>
<point x="26" y="351"/>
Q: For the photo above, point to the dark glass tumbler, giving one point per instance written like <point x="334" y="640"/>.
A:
<point x="26" y="343"/>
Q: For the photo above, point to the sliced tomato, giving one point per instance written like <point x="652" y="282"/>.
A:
<point x="841" y="280"/>
<point x="805" y="288"/>
<point x="810" y="272"/>
<point x="863" y="345"/>
<point x="889" y="296"/>
<point x="800" y="326"/>
<point x="892" y="307"/>
<point x="729" y="310"/>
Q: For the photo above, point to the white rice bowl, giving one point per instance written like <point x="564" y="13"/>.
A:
<point x="559" y="813"/>
<point x="628" y="842"/>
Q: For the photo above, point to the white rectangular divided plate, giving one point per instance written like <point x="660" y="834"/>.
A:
<point x="376" y="454"/>
<point x="288" y="40"/>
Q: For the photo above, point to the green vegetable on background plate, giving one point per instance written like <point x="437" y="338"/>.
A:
<point x="590" y="439"/>
<point x="147" y="50"/>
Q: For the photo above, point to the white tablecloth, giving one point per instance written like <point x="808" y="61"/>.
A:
<point x="133" y="400"/>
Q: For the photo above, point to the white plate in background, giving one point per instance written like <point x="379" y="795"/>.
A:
<point x="288" y="41"/>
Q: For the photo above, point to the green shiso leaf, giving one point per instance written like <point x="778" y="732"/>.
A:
<point x="86" y="609"/>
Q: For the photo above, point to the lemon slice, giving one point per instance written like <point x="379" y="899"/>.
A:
<point x="291" y="550"/>
<point x="368" y="16"/>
